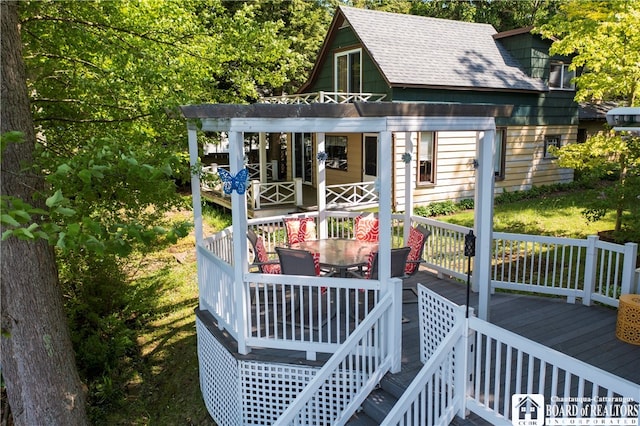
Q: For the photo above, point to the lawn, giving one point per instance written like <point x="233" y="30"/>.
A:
<point x="558" y="215"/>
<point x="164" y="387"/>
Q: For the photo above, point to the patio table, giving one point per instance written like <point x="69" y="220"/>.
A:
<point x="340" y="254"/>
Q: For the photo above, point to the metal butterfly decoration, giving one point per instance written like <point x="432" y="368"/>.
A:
<point x="231" y="182"/>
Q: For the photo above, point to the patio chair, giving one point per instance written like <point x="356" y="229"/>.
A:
<point x="398" y="262"/>
<point x="366" y="228"/>
<point x="261" y="259"/>
<point x="417" y="239"/>
<point x="300" y="229"/>
<point x="298" y="262"/>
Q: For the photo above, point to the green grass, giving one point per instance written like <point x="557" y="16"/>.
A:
<point x="558" y="215"/>
<point x="163" y="386"/>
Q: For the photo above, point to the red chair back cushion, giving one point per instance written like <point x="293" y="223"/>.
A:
<point x="262" y="256"/>
<point x="366" y="228"/>
<point x="416" y="242"/>
<point x="300" y="229"/>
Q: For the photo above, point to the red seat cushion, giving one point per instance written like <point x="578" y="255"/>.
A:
<point x="416" y="242"/>
<point x="300" y="229"/>
<point x="366" y="228"/>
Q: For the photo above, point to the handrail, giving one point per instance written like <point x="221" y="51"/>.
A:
<point x="369" y="329"/>
<point x="434" y="382"/>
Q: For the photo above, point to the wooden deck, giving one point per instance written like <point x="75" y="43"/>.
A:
<point x="583" y="332"/>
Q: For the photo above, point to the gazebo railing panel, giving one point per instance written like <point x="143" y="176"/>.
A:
<point x="216" y="283"/>
<point x="444" y="250"/>
<point x="313" y="315"/>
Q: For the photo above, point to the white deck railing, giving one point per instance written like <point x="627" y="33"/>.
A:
<point x="498" y="365"/>
<point x="324" y="97"/>
<point x="353" y="194"/>
<point x="588" y="269"/>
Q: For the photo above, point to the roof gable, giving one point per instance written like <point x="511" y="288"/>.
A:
<point x="417" y="51"/>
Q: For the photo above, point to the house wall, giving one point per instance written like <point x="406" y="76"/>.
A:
<point x="525" y="165"/>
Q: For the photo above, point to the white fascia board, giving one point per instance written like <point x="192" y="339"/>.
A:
<point x="309" y="124"/>
<point x="215" y="124"/>
<point x="415" y="124"/>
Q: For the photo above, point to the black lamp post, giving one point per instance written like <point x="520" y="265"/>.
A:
<point x="469" y="251"/>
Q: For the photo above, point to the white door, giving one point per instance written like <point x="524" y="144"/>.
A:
<point x="370" y="157"/>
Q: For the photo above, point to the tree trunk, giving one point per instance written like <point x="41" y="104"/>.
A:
<point x="38" y="362"/>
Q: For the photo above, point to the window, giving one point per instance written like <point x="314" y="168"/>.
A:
<point x="426" y="158"/>
<point x="560" y="76"/>
<point x="549" y="141"/>
<point x="348" y="71"/>
<point x="336" y="147"/>
<point x="500" y="157"/>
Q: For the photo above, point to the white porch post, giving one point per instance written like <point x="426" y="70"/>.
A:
<point x="239" y="223"/>
<point x="321" y="189"/>
<point x="192" y="131"/>
<point x="262" y="156"/>
<point x="483" y="220"/>
<point x="409" y="177"/>
<point x="384" y="249"/>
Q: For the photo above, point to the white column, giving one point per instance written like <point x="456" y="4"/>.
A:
<point x="388" y="285"/>
<point x="239" y="223"/>
<point x="321" y="188"/>
<point x="483" y="220"/>
<point x="384" y="215"/>
<point x="409" y="176"/>
<point x="192" y="133"/>
<point x="262" y="156"/>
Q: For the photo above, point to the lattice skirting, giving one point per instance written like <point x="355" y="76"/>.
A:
<point x="240" y="392"/>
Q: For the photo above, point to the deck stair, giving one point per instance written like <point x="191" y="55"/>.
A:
<point x="382" y="399"/>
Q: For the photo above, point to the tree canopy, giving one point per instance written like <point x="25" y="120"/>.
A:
<point x="604" y="39"/>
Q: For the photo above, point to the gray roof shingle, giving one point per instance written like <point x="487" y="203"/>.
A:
<point x="420" y="51"/>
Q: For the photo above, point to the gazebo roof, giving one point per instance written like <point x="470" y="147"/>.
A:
<point x="351" y="110"/>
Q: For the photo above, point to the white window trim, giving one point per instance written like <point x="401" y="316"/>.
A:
<point x="335" y="68"/>
<point x="564" y="67"/>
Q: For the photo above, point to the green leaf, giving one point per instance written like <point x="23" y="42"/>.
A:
<point x="63" y="169"/>
<point x="55" y="199"/>
<point x="23" y="234"/>
<point x="6" y="234"/>
<point x="26" y="217"/>
<point x="65" y="211"/>
<point x="85" y="176"/>
<point x="9" y="220"/>
<point x="73" y="229"/>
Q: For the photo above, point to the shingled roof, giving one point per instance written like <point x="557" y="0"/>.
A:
<point x="417" y="51"/>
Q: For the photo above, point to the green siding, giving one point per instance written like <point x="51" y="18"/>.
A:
<point x="531" y="109"/>
<point x="372" y="81"/>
